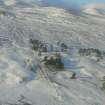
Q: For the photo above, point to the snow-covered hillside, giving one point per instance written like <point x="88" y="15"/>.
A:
<point x="56" y="24"/>
<point x="26" y="80"/>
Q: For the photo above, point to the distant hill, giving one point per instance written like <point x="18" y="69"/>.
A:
<point x="95" y="9"/>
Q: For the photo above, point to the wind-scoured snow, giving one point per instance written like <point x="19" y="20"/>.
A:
<point x="25" y="80"/>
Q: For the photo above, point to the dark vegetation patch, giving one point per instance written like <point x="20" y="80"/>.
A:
<point x="54" y="61"/>
<point x="34" y="44"/>
<point x="64" y="47"/>
<point x="103" y="86"/>
<point x="91" y="51"/>
<point x="103" y="83"/>
<point x="37" y="45"/>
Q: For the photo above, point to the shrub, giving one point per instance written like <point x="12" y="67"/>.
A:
<point x="103" y="86"/>
<point x="64" y="47"/>
<point x="54" y="60"/>
<point x="34" y="44"/>
<point x="44" y="49"/>
<point x="89" y="51"/>
<point x="73" y="75"/>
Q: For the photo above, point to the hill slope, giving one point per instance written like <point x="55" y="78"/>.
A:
<point x="24" y="80"/>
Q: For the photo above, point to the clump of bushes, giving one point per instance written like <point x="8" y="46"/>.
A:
<point x="54" y="60"/>
<point x="73" y="75"/>
<point x="89" y="51"/>
<point x="103" y="83"/>
<point x="37" y="45"/>
<point x="34" y="44"/>
<point x="103" y="86"/>
<point x="64" y="46"/>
